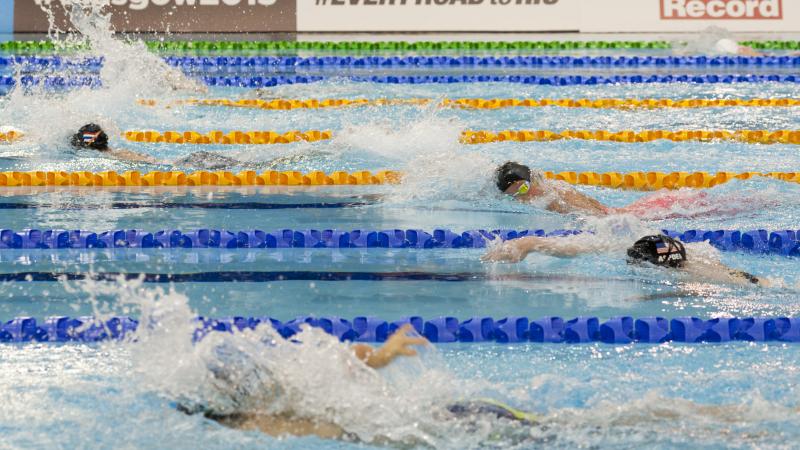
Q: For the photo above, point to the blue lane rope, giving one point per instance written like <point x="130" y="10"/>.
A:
<point x="554" y="80"/>
<point x="514" y="329"/>
<point x="56" y="82"/>
<point x="242" y="276"/>
<point x="371" y="62"/>
<point x="784" y="242"/>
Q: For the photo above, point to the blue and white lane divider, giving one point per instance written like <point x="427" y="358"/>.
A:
<point x="90" y="81"/>
<point x="435" y="61"/>
<point x="514" y="329"/>
<point x="784" y="242"/>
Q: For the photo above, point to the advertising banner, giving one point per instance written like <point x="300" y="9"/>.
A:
<point x="219" y="16"/>
<point x="689" y="15"/>
<point x="438" y="15"/>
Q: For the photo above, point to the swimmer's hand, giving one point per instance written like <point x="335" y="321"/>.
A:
<point x="398" y="344"/>
<point x="507" y="252"/>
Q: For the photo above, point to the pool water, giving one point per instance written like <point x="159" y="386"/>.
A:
<point x="738" y="395"/>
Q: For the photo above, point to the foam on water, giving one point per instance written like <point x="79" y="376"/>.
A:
<point x="129" y="72"/>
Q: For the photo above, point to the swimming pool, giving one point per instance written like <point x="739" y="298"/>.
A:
<point x="669" y="395"/>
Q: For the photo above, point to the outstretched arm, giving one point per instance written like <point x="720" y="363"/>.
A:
<point x="398" y="344"/>
<point x="127" y="155"/>
<point x="516" y="250"/>
<point x="717" y="271"/>
<point x="572" y="201"/>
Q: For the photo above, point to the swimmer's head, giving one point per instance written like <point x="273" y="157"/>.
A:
<point x="90" y="136"/>
<point x="660" y="250"/>
<point x="509" y="174"/>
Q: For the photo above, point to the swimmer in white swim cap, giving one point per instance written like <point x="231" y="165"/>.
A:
<point x="731" y="47"/>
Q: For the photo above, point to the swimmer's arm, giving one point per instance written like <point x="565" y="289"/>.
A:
<point x="516" y="250"/>
<point x="398" y="344"/>
<point x="717" y="271"/>
<point x="572" y="201"/>
<point x="127" y="155"/>
<point x="748" y="51"/>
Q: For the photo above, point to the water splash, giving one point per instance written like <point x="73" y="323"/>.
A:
<point x="312" y="376"/>
<point x="129" y="72"/>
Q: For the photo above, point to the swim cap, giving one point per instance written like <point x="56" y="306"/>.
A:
<point x="511" y="172"/>
<point x="659" y="250"/>
<point x="90" y="136"/>
<point x="727" y="46"/>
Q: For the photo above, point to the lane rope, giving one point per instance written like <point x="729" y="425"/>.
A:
<point x="90" y="81"/>
<point x="782" y="242"/>
<point x="199" y="178"/>
<point x="646" y="181"/>
<point x="484" y="103"/>
<point x="554" y="80"/>
<point x="629" y="136"/>
<point x="512" y="329"/>
<point x="356" y="46"/>
<point x="239" y="137"/>
<point x="261" y="63"/>
<point x="232" y="137"/>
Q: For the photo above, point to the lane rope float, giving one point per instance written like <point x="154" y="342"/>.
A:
<point x="359" y="46"/>
<point x="73" y="82"/>
<point x="210" y="46"/>
<point x="221" y="64"/>
<point x="511" y="329"/>
<point x="484" y="103"/>
<point x="652" y="181"/>
<point x="782" y="242"/>
<point x="553" y="80"/>
<point x="238" y="137"/>
<point x="199" y="178"/>
<point x="232" y="137"/>
<point x="629" y="136"/>
<point x="645" y="181"/>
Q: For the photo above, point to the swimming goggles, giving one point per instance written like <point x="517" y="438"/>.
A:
<point x="523" y="189"/>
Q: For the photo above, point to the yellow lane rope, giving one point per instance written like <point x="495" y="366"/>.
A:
<point x="651" y="181"/>
<point x="200" y="178"/>
<point x="232" y="137"/>
<point x="478" y="136"/>
<point x="628" y="136"/>
<point x="485" y="103"/>
<point x="10" y="136"/>
<point x="633" y="180"/>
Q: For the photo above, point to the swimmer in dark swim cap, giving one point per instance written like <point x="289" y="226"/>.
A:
<point x="655" y="250"/>
<point x="93" y="137"/>
<point x="90" y="136"/>
<point x="524" y="185"/>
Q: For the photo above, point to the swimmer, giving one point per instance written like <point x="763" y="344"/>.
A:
<point x="731" y="47"/>
<point x="398" y="344"/>
<point x="518" y="181"/>
<point x="92" y="137"/>
<point x="657" y="250"/>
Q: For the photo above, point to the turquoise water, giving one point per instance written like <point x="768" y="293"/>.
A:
<point x="736" y="395"/>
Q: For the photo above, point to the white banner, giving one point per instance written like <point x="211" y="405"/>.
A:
<point x="438" y="15"/>
<point x="603" y="16"/>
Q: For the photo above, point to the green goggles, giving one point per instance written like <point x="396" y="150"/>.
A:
<point x="523" y="189"/>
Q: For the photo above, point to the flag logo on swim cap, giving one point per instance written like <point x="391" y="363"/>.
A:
<point x="661" y="248"/>
<point x="89" y="138"/>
